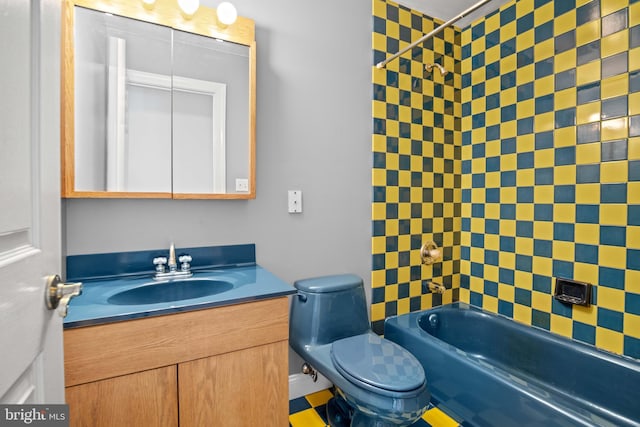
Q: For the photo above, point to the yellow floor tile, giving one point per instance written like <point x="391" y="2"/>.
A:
<point x="320" y="398"/>
<point x="306" y="418"/>
<point x="437" y="418"/>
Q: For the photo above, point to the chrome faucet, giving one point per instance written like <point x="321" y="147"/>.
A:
<point x="161" y="262"/>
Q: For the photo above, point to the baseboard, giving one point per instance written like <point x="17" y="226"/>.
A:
<point x="301" y="385"/>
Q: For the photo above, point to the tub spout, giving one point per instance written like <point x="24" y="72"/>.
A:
<point x="436" y="287"/>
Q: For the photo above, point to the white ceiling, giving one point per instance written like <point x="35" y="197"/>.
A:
<point x="447" y="9"/>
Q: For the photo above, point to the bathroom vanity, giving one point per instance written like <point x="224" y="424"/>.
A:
<point x="219" y="359"/>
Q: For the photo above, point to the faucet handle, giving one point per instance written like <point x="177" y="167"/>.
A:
<point x="160" y="262"/>
<point x="185" y="262"/>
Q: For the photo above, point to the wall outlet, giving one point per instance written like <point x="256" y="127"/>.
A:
<point x="295" y="201"/>
<point x="242" y="184"/>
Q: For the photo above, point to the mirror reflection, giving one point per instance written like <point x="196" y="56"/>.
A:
<point x="159" y="111"/>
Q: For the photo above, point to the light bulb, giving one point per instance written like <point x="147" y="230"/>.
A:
<point x="189" y="7"/>
<point x="227" y="13"/>
<point x="149" y="2"/>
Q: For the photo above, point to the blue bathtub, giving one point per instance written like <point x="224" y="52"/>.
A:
<point x="484" y="369"/>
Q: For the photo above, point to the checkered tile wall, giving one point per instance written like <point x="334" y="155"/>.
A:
<point x="524" y="164"/>
<point x="416" y="163"/>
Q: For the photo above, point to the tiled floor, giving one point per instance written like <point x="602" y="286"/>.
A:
<point x="310" y="411"/>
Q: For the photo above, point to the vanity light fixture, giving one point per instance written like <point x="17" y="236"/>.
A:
<point x="226" y="13"/>
<point x="148" y="4"/>
<point x="189" y="7"/>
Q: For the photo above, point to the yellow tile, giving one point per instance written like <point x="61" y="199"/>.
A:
<point x="588" y="113"/>
<point x="631" y="325"/>
<point x="524" y="212"/>
<point x="525" y="74"/>
<point x="614" y="86"/>
<point x="403" y="306"/>
<point x="634" y="59"/>
<point x="392" y="227"/>
<point x="564" y="251"/>
<point x="525" y="177"/>
<point x="588" y="73"/>
<point x="612" y="256"/>
<point x="588" y="154"/>
<point x="565" y="22"/>
<point x="541" y="301"/>
<point x="633" y="193"/>
<point x="543" y="86"/>
<point x="634" y="14"/>
<point x="523" y="7"/>
<point x="490" y="303"/>
<point x="564" y="175"/>
<point x="436" y="417"/>
<point x="543" y="194"/>
<point x="565" y="137"/>
<point x="614" y="171"/>
<point x="522" y="314"/>
<point x="391" y="261"/>
<point x="524" y="40"/>
<point x="612" y="299"/>
<point x="634" y="103"/>
<point x="565" y="98"/>
<point x="614" y="43"/>
<point x="613" y="214"/>
<point x="525" y="108"/>
<point x="609" y="340"/>
<point x="507" y="260"/>
<point x="561" y="325"/>
<point x="587" y="315"/>
<point x="587" y="233"/>
<point x="544" y="158"/>
<point x="588" y="194"/>
<point x="380" y="8"/>
<point x="543" y="230"/>
<point x="320" y="398"/>
<point x="524" y="280"/>
<point x="543" y="14"/>
<point x="543" y="266"/>
<point x="610" y="6"/>
<point x="544" y="122"/>
<point x="585" y="272"/>
<point x="632" y="281"/>
<point x="564" y="213"/>
<point x="588" y="32"/>
<point x="614" y="129"/>
<point x="306" y="418"/>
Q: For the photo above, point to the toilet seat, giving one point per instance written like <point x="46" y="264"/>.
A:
<point x="377" y="364"/>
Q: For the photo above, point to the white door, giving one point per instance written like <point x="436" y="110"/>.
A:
<point x="31" y="364"/>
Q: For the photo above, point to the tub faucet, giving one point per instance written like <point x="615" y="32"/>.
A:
<point x="173" y="266"/>
<point x="436" y="287"/>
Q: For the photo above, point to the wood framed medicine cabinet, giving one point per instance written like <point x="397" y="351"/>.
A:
<point x="113" y="146"/>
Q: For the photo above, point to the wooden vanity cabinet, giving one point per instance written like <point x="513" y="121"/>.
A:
<point x="225" y="366"/>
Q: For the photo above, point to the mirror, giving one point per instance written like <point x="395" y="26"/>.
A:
<point x="157" y="104"/>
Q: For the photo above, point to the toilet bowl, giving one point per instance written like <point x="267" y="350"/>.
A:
<point x="378" y="383"/>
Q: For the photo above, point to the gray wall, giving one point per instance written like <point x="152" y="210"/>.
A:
<point x="313" y="134"/>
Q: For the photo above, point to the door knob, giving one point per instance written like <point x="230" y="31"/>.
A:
<point x="58" y="294"/>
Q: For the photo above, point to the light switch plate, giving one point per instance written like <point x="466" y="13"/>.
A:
<point x="242" y="184"/>
<point x="295" y="201"/>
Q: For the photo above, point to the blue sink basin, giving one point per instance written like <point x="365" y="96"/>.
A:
<point x="176" y="290"/>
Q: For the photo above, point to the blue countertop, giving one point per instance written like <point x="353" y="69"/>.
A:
<point x="250" y="283"/>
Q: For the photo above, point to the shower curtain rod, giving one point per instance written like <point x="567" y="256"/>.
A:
<point x="432" y="33"/>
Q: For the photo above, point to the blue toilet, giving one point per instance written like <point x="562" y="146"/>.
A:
<point x="378" y="383"/>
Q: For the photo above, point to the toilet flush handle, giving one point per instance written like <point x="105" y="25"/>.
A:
<point x="302" y="297"/>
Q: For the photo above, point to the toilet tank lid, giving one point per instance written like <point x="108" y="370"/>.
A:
<point x="326" y="284"/>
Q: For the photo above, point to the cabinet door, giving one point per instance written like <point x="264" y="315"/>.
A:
<point x="147" y="398"/>
<point x="245" y="388"/>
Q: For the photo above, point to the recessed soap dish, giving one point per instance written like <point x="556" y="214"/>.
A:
<point x="573" y="292"/>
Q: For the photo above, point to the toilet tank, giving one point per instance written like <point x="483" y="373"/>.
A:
<point x="327" y="309"/>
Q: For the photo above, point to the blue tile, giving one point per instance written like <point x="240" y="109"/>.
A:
<point x="543" y="212"/>
<point x="562" y="269"/>
<point x="492" y="39"/>
<point x="478" y="150"/>
<point x="564" y="194"/>
<point x="540" y="318"/>
<point x="544" y="176"/>
<point x="565" y="41"/>
<point x="614" y="22"/>
<point x="525" y="91"/>
<point x="614" y="65"/>
<point x="477" y="269"/>
<point x="506" y="276"/>
<point x="588" y="132"/>
<point x="563" y="80"/>
<point x="477" y="210"/>
<point x="298" y="405"/>
<point x="492" y="195"/>
<point x="492" y="226"/>
<point x="564" y="232"/>
<point x="544" y="104"/>
<point x="632" y="303"/>
<point x="613" y="235"/>
<point x="633" y="259"/>
<point x="544" y="140"/>
<point x="588" y="12"/>
<point x="634" y="81"/>
<point x="478" y="121"/>
<point x="524" y="263"/>
<point x="566" y="117"/>
<point x="560" y="309"/>
<point x="543" y="248"/>
<point x="523" y="297"/>
<point x="565" y="156"/>
<point x="524" y="23"/>
<point x="634" y="126"/>
<point x="525" y="126"/>
<point x="508" y="80"/>
<point x="508" y="179"/>
<point x="611" y="277"/>
<point x="587" y="93"/>
<point x="587" y="174"/>
<point x="491" y="288"/>
<point x="563" y="6"/>
<point x="525" y="160"/>
<point x="492" y="164"/>
<point x="477" y="180"/>
<point x="507" y="211"/>
<point x="507" y="15"/>
<point x="613" y="193"/>
<point x="610" y="319"/>
<point x="633" y="215"/>
<point x="586" y="253"/>
<point x="477" y="30"/>
<point x="492" y="70"/>
<point x="507" y="244"/>
<point x="631" y="347"/>
<point x="492" y="101"/>
<point x="543" y="32"/>
<point x="587" y="214"/>
<point x="508" y="113"/>
<point x="508" y="146"/>
<point x="505" y="308"/>
<point x="477" y="60"/>
<point x="588" y="52"/>
<point x="490" y="257"/>
<point x="525" y="57"/>
<point x="493" y="132"/>
<point x="614" y="150"/>
<point x="583" y="332"/>
<point x="508" y="48"/>
<point x="524" y="195"/>
<point x="542" y="284"/>
<point x="634" y="36"/>
<point x="544" y="68"/>
<point x="614" y="107"/>
<point x="524" y="228"/>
